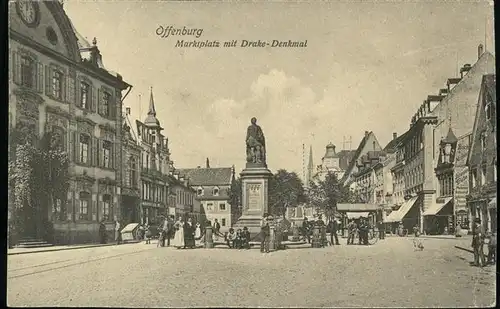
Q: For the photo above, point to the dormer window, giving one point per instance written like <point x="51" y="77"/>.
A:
<point x="84" y="95"/>
<point x="199" y="191"/>
<point x="105" y="103"/>
<point x="57" y="85"/>
<point x="215" y="192"/>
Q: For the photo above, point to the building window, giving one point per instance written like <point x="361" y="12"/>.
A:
<point x="210" y="206"/>
<point x="84" y="205"/>
<point x="199" y="192"/>
<point x="487" y="110"/>
<point x="483" y="141"/>
<point x="474" y="177"/>
<point x="57" y="85"/>
<point x="223" y="222"/>
<point x="27" y="72"/>
<point x="105" y="103"/>
<point x="84" y="148"/>
<point x="133" y="172"/>
<point x="222" y="207"/>
<point x="106" y="207"/>
<point x="216" y="192"/>
<point x="483" y="174"/>
<point x="84" y="95"/>
<point x="106" y="154"/>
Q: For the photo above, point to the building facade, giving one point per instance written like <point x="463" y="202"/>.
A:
<point x="420" y="150"/>
<point x="131" y="180"/>
<point x="58" y="84"/>
<point x="482" y="158"/>
<point x="212" y="186"/>
<point x="369" y="142"/>
<point x="183" y="203"/>
<point x="154" y="166"/>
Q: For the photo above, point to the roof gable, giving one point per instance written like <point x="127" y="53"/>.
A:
<point x="50" y="14"/>
<point x="488" y="86"/>
<point x="208" y="176"/>
<point x="359" y="152"/>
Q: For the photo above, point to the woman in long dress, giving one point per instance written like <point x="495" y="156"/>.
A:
<point x="197" y="233"/>
<point x="178" y="240"/>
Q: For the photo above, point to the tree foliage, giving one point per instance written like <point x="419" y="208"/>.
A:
<point x="285" y="190"/>
<point x="38" y="175"/>
<point x="325" y="194"/>
<point x="235" y="196"/>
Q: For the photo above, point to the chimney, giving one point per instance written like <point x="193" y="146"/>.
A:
<point x="480" y="50"/>
<point x="373" y="145"/>
<point x="366" y="133"/>
<point x="208" y="163"/>
<point x="394" y="135"/>
<point x="465" y="69"/>
<point x="127" y="110"/>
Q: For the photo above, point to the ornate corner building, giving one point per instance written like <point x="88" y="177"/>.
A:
<point x="58" y="84"/>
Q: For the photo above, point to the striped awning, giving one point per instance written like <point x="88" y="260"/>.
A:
<point x="398" y="215"/>
<point x="435" y="208"/>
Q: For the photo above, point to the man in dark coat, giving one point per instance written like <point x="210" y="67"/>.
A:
<point x="478" y="235"/>
<point x="102" y="232"/>
<point x="306" y="230"/>
<point x="333" y="227"/>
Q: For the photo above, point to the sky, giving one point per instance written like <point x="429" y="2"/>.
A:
<point x="367" y="67"/>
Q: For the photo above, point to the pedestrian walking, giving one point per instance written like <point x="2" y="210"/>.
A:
<point x="332" y="228"/>
<point x="189" y="234"/>
<point x="216" y="228"/>
<point x="478" y="243"/>
<point x="351" y="232"/>
<point x="147" y="234"/>
<point x="118" y="236"/>
<point x="178" y="241"/>
<point x="492" y="248"/>
<point x="306" y="227"/>
<point x="265" y="232"/>
<point x="170" y="229"/>
<point x="102" y="232"/>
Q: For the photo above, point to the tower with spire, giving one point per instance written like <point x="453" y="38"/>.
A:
<point x="310" y="168"/>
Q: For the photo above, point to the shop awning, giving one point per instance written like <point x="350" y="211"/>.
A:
<point x="355" y="215"/>
<point x="493" y="203"/>
<point x="435" y="208"/>
<point x="399" y="214"/>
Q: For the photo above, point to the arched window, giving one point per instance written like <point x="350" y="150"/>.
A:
<point x="106" y="207"/>
<point x="85" y="204"/>
<point x="215" y="192"/>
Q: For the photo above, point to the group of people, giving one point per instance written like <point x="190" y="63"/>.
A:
<point x="180" y="234"/>
<point x="361" y="230"/>
<point x="332" y="228"/>
<point x="480" y="237"/>
<point x="239" y="239"/>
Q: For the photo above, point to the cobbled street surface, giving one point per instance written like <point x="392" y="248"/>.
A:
<point x="387" y="274"/>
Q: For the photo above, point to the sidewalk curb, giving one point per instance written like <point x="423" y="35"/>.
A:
<point x="70" y="248"/>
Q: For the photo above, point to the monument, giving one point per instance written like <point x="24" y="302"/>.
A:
<point x="254" y="180"/>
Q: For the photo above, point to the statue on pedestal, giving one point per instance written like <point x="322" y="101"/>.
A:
<point x="256" y="143"/>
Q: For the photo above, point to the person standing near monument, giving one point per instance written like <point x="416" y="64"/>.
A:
<point x="256" y="143"/>
<point x="265" y="232"/>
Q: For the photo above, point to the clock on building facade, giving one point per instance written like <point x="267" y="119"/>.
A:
<point x="29" y="12"/>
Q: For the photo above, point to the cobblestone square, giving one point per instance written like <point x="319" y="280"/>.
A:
<point x="389" y="273"/>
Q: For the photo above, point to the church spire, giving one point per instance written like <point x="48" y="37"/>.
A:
<point x="151" y="119"/>
<point x="310" y="165"/>
<point x="310" y="168"/>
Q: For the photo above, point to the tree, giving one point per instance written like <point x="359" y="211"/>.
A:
<point x="325" y="194"/>
<point x="235" y="197"/>
<point x="285" y="190"/>
<point x="38" y="175"/>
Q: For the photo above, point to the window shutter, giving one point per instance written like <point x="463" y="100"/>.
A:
<point x="114" y="155"/>
<point x="112" y="107"/>
<point x="39" y="72"/>
<point x="99" y="101"/>
<point x="64" y="85"/>
<point x="98" y="154"/>
<point x="70" y="89"/>
<point x="77" y="95"/>
<point x="94" y="99"/>
<point x="76" y="147"/>
<point x="47" y="80"/>
<point x="16" y="68"/>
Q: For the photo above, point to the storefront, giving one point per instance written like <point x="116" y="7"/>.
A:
<point x="408" y="214"/>
<point x="439" y="217"/>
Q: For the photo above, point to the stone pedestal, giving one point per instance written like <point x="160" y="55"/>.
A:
<point x="254" y="185"/>
<point x="209" y="242"/>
